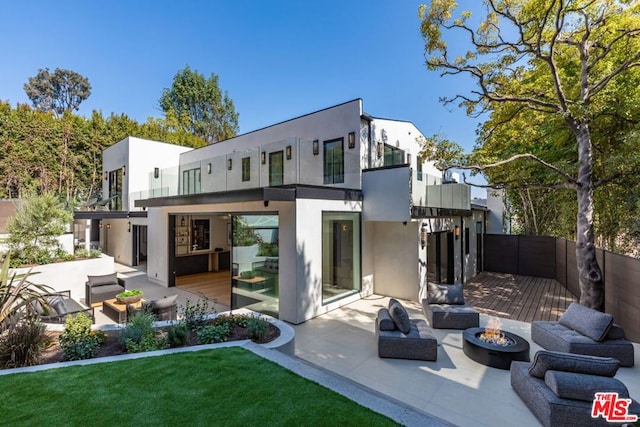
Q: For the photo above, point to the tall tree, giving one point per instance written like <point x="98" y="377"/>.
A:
<point x="551" y="59"/>
<point x="200" y="106"/>
<point x="60" y="91"/>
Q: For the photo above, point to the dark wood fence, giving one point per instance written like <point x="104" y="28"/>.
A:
<point x="555" y="258"/>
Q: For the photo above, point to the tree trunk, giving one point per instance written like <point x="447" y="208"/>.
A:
<point x="589" y="273"/>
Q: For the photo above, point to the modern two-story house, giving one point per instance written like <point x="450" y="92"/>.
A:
<point x="295" y="219"/>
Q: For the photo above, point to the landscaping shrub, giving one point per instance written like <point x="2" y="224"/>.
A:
<point x="22" y="343"/>
<point x="148" y="343"/>
<point x="178" y="334"/>
<point x="139" y="325"/>
<point x="241" y="320"/>
<point x="257" y="328"/>
<point x="78" y="341"/>
<point x="212" y="334"/>
<point x="195" y="315"/>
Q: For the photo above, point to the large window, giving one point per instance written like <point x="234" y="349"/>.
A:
<point x="191" y="181"/>
<point x="115" y="190"/>
<point x="255" y="268"/>
<point x="340" y="255"/>
<point x="334" y="161"/>
<point x="419" y="168"/>
<point x="246" y="169"/>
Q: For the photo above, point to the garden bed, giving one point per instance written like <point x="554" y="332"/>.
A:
<point x="52" y="353"/>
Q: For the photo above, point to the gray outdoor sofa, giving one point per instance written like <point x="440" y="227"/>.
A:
<point x="582" y="330"/>
<point x="103" y="287"/>
<point x="444" y="308"/>
<point x="400" y="337"/>
<point x="559" y="388"/>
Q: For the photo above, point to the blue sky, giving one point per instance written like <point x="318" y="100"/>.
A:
<point x="277" y="59"/>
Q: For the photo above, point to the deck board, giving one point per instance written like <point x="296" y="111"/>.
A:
<point x="523" y="298"/>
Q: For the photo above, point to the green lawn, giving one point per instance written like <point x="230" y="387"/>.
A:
<point x="229" y="386"/>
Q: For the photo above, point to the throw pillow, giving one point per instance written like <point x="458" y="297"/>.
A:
<point x="400" y="317"/>
<point x="589" y="322"/>
<point x="615" y="332"/>
<point x="546" y="360"/>
<point x="583" y="387"/>
<point x="445" y="294"/>
<point x="106" y="279"/>
<point x="385" y="322"/>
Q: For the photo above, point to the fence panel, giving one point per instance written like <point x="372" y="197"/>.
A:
<point x="572" y="269"/>
<point x="561" y="261"/>
<point x="501" y="253"/>
<point x="537" y="256"/>
<point x="622" y="292"/>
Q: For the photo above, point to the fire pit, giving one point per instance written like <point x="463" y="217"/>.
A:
<point x="494" y="347"/>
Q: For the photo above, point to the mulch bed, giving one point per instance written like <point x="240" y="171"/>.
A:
<point x="112" y="347"/>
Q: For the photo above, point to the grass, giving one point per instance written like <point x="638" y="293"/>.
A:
<point x="228" y="386"/>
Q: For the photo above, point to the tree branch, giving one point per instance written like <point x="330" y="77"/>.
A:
<point x="571" y="182"/>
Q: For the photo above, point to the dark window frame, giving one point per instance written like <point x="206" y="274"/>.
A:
<point x="246" y="169"/>
<point x="335" y="175"/>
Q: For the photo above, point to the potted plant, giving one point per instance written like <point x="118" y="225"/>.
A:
<point x="129" y="297"/>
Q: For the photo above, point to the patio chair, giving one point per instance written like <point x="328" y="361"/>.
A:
<point x="58" y="306"/>
<point x="165" y="308"/>
<point x="101" y="288"/>
<point x="444" y="308"/>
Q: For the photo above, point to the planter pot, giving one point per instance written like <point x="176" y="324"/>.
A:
<point x="129" y="300"/>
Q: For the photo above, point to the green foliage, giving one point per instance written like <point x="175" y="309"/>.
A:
<point x="248" y="274"/>
<point x="148" y="342"/>
<point x="22" y="344"/>
<point x="198" y="106"/>
<point x="195" y="315"/>
<point x="257" y="328"/>
<point x="139" y="325"/>
<point x="212" y="334"/>
<point x="57" y="92"/>
<point x="78" y="341"/>
<point x="42" y="153"/>
<point x="130" y="293"/>
<point x="84" y="253"/>
<point x="268" y="249"/>
<point x="177" y="334"/>
<point x="34" y="228"/>
<point x="16" y="295"/>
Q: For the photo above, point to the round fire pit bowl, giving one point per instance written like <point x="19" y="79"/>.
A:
<point x="494" y="355"/>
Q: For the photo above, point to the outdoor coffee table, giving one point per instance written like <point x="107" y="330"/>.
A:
<point x="118" y="311"/>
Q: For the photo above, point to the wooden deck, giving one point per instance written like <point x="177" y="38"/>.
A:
<point x="515" y="297"/>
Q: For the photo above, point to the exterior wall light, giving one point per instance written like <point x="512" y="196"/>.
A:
<point x="229" y="164"/>
<point x="456" y="231"/>
<point x="124" y="169"/>
<point x="129" y="226"/>
<point x="108" y="226"/>
<point x="288" y="151"/>
<point x="316" y="147"/>
<point x="106" y="175"/>
<point x="156" y="172"/>
<point x="263" y="157"/>
<point x="209" y="168"/>
<point x="352" y="140"/>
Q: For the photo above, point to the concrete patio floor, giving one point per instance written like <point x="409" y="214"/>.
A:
<point x="454" y="388"/>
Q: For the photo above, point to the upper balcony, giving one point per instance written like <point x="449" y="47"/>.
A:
<point x="287" y="162"/>
<point x="384" y="199"/>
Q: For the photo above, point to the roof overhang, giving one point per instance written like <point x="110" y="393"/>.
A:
<point x="108" y="214"/>
<point x="425" y="212"/>
<point x="264" y="194"/>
